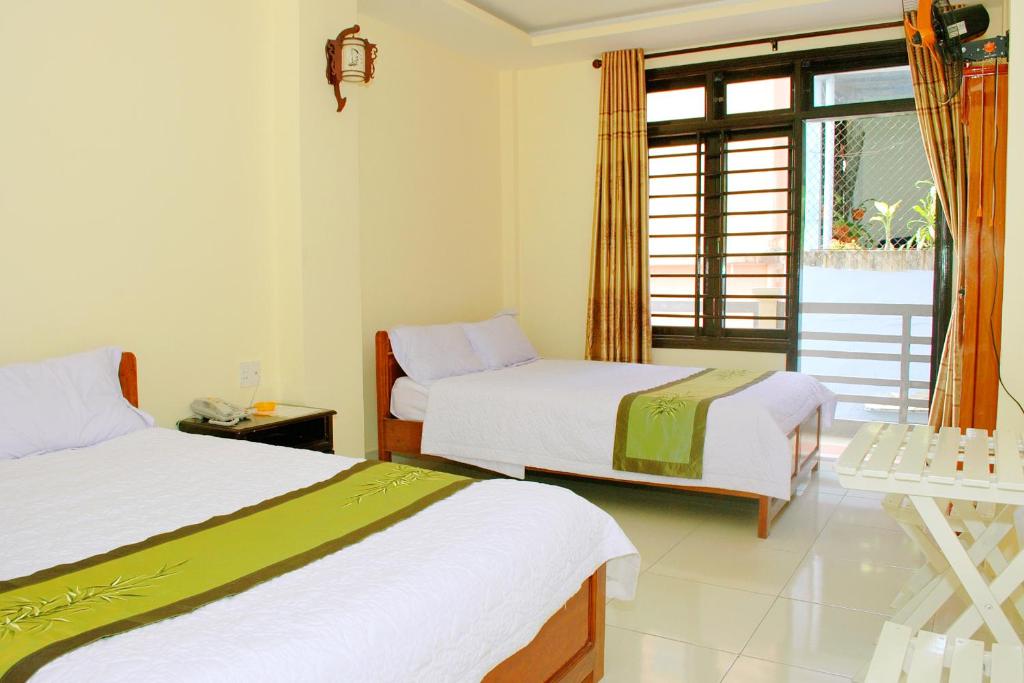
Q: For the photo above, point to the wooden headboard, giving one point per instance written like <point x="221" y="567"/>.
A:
<point x="388" y="372"/>
<point x="128" y="374"/>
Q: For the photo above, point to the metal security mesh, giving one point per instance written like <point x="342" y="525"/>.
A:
<point x="867" y="184"/>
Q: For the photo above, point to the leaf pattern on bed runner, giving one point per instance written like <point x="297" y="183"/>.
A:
<point x="35" y="615"/>
<point x="58" y="609"/>
<point x="401" y="475"/>
<point x="661" y="430"/>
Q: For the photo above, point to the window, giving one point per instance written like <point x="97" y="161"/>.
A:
<point x="725" y="187"/>
<point x="720" y="232"/>
<point x="685" y="103"/>
<point x="761" y="95"/>
<point x="865" y="85"/>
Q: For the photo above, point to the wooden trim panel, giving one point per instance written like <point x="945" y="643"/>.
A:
<point x="128" y="375"/>
<point x="405" y="437"/>
<point x="569" y="648"/>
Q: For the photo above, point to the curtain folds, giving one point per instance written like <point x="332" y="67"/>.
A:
<point x="618" y="307"/>
<point x="945" y="143"/>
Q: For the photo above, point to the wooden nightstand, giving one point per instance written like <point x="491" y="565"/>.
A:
<point x="292" y="426"/>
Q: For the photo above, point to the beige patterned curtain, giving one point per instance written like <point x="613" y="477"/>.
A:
<point x="945" y="143"/>
<point x="618" y="309"/>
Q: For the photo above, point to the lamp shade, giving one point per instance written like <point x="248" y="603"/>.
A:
<point x="353" y="60"/>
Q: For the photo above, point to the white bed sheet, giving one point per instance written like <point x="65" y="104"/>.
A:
<point x="409" y="400"/>
<point x="560" y="415"/>
<point x="442" y="596"/>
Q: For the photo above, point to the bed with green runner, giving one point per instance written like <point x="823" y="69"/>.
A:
<point x="162" y="556"/>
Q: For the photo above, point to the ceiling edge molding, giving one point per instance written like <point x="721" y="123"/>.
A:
<point x="486" y="17"/>
<point x="656" y="20"/>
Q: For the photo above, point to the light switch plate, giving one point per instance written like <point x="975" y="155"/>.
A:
<point x="249" y="374"/>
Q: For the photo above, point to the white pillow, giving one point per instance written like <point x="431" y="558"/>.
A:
<point x="68" y="402"/>
<point x="431" y="352"/>
<point x="500" y="342"/>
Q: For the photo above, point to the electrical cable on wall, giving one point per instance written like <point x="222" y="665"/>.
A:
<point x="995" y="256"/>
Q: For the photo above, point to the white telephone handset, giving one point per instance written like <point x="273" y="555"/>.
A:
<point x="219" y="412"/>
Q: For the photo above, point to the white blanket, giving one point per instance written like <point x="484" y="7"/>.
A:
<point x="443" y="596"/>
<point x="560" y="415"/>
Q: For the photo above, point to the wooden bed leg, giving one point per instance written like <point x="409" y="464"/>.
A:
<point x="764" y="504"/>
<point x="384" y="456"/>
<point x="597" y="618"/>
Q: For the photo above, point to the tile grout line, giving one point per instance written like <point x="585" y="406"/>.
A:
<point x="775" y="600"/>
<point x="676" y="640"/>
<point x="671" y="548"/>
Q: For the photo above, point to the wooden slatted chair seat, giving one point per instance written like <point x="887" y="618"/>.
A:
<point x="933" y="658"/>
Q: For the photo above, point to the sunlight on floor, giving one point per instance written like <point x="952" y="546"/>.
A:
<point x="715" y="603"/>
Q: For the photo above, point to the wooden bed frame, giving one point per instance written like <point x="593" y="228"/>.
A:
<point x="569" y="648"/>
<point x="405" y="437"/>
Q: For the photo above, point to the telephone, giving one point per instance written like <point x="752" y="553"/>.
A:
<point x="219" y="412"/>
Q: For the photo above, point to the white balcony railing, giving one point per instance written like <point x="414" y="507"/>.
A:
<point x="864" y="343"/>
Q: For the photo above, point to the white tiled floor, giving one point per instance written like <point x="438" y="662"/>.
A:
<point x="716" y="604"/>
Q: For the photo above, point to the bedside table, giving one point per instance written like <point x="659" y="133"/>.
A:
<point x="293" y="426"/>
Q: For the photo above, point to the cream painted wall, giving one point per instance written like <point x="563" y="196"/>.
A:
<point x="134" y="198"/>
<point x="1013" y="292"/>
<point x="555" y="147"/>
<point x="170" y="190"/>
<point x="429" y="191"/>
<point x="324" y="366"/>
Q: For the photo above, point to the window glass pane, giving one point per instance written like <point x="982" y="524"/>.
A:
<point x="758" y="201"/>
<point x="767" y="284"/>
<point x="673" y="311"/>
<point x="757" y="222"/>
<point x="869" y="85"/>
<point x="664" y="186"/>
<point x="759" y="244"/>
<point x="672" y="165"/>
<point x="757" y="143"/>
<point x="661" y="246"/>
<point x="673" y="150"/>
<point x="762" y="180"/>
<point x="662" y="321"/>
<point x="755" y="265"/>
<point x="668" y="105"/>
<point x="673" y="206"/>
<point x="673" y="264"/>
<point x="748" y="96"/>
<point x="671" y="285"/>
<point x="755" y="313"/>
<point x="673" y="226"/>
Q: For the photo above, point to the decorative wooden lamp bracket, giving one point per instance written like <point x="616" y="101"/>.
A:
<point x="336" y="72"/>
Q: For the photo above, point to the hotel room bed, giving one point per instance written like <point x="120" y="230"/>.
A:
<point x="560" y="416"/>
<point x="456" y="591"/>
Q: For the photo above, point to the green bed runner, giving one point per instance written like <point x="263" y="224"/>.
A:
<point x="53" y="611"/>
<point x="661" y="430"/>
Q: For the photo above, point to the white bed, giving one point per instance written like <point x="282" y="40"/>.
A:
<point x="443" y="596"/>
<point x="560" y="415"/>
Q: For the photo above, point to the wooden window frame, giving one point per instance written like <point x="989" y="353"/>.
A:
<point x="801" y="66"/>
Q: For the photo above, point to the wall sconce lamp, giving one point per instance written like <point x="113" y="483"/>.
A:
<point x="349" y="59"/>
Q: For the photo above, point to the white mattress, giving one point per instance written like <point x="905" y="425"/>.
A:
<point x="443" y="596"/>
<point x="560" y="415"/>
<point x="409" y="400"/>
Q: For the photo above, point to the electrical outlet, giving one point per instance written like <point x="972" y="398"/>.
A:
<point x="249" y="374"/>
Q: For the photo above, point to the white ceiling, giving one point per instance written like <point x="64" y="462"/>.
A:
<point x="527" y="33"/>
<point x="542" y="15"/>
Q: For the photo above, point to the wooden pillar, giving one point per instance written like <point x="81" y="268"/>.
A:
<point x="984" y="110"/>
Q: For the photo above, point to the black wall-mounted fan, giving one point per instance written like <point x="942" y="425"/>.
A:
<point x="944" y="30"/>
